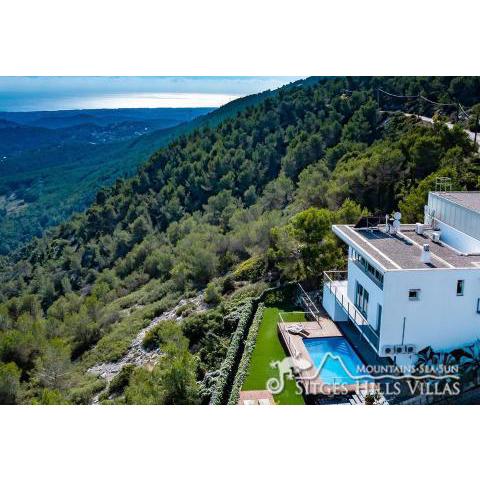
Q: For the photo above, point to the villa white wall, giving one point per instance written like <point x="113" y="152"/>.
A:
<point x="332" y="307"/>
<point x="440" y="318"/>
<point x="457" y="216"/>
<point x="457" y="239"/>
<point x="328" y="301"/>
<point x="375" y="293"/>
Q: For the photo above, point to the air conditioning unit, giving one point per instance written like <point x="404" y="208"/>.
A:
<point x="388" y="350"/>
<point x="435" y="237"/>
<point x="399" y="349"/>
<point x="410" y="349"/>
<point x="419" y="228"/>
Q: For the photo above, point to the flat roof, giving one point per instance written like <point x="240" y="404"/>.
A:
<point x="402" y="251"/>
<point x="470" y="200"/>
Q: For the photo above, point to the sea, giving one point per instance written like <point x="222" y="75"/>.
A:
<point x="52" y="101"/>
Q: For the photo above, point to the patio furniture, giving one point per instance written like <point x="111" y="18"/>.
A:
<point x="295" y="328"/>
<point x="298" y="329"/>
<point x="304" y="334"/>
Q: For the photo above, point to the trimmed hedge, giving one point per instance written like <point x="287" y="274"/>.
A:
<point x="244" y="313"/>
<point x="247" y="355"/>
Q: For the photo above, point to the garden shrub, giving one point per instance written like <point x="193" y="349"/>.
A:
<point x="242" y="312"/>
<point x="9" y="383"/>
<point x="184" y="310"/>
<point x="120" y="381"/>
<point x="203" y="330"/>
<point x="212" y="294"/>
<point x="50" y="397"/>
<point x="83" y="394"/>
<point x="241" y="315"/>
<point x="248" y="291"/>
<point x="228" y="284"/>
<point x="252" y="269"/>
<point x="242" y="371"/>
<point x="280" y="296"/>
<point x="166" y="331"/>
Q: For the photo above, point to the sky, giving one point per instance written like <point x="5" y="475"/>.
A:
<point x="23" y="94"/>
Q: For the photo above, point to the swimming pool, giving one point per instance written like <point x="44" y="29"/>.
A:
<point x="332" y="371"/>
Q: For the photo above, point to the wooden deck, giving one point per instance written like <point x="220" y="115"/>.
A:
<point x="256" y="397"/>
<point x="309" y="378"/>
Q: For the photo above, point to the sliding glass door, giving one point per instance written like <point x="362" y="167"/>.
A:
<point x="361" y="299"/>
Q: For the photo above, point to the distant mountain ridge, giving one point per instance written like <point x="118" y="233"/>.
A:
<point x="57" y="179"/>
<point x="23" y="131"/>
<point x="104" y="117"/>
<point x="218" y="215"/>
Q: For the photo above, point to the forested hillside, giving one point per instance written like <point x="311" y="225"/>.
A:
<point x="227" y="208"/>
<point x="40" y="187"/>
<point x="52" y="163"/>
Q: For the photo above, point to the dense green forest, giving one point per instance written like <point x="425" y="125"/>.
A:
<point x="57" y="175"/>
<point x="228" y="209"/>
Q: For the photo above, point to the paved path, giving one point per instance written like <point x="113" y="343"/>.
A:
<point x="470" y="134"/>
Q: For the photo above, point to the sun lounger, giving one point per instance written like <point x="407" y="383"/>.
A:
<point x="298" y="330"/>
<point x="294" y="329"/>
<point x="304" y="334"/>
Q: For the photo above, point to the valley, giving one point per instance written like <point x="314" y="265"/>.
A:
<point x="236" y="206"/>
<point x="52" y="163"/>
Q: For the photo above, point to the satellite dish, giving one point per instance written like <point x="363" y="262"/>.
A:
<point x="397" y="216"/>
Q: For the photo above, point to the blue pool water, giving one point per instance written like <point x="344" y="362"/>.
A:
<point x="332" y="371"/>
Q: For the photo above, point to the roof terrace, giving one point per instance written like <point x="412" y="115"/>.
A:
<point x="403" y="250"/>
<point x="469" y="200"/>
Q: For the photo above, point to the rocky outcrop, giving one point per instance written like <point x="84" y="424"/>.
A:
<point x="136" y="355"/>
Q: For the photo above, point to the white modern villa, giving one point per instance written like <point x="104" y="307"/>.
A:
<point x="408" y="287"/>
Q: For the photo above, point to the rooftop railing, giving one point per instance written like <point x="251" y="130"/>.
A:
<point x="332" y="279"/>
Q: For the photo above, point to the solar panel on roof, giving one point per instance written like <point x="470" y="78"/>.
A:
<point x="370" y="222"/>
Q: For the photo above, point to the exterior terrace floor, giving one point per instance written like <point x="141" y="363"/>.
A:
<point x="308" y="377"/>
<point x="256" y="397"/>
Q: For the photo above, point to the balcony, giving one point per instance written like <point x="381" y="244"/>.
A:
<point x="336" y="282"/>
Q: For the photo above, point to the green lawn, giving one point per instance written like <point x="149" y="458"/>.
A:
<point x="267" y="349"/>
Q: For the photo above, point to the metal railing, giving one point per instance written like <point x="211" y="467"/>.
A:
<point x="353" y="314"/>
<point x="310" y="306"/>
<point x="287" y="339"/>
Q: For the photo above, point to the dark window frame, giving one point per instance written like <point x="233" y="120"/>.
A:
<point x="416" y="296"/>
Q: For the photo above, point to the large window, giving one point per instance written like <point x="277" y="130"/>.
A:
<point x="368" y="268"/>
<point x="361" y="299"/>
<point x="379" y="317"/>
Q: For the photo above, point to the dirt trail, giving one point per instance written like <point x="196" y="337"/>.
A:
<point x="136" y="355"/>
